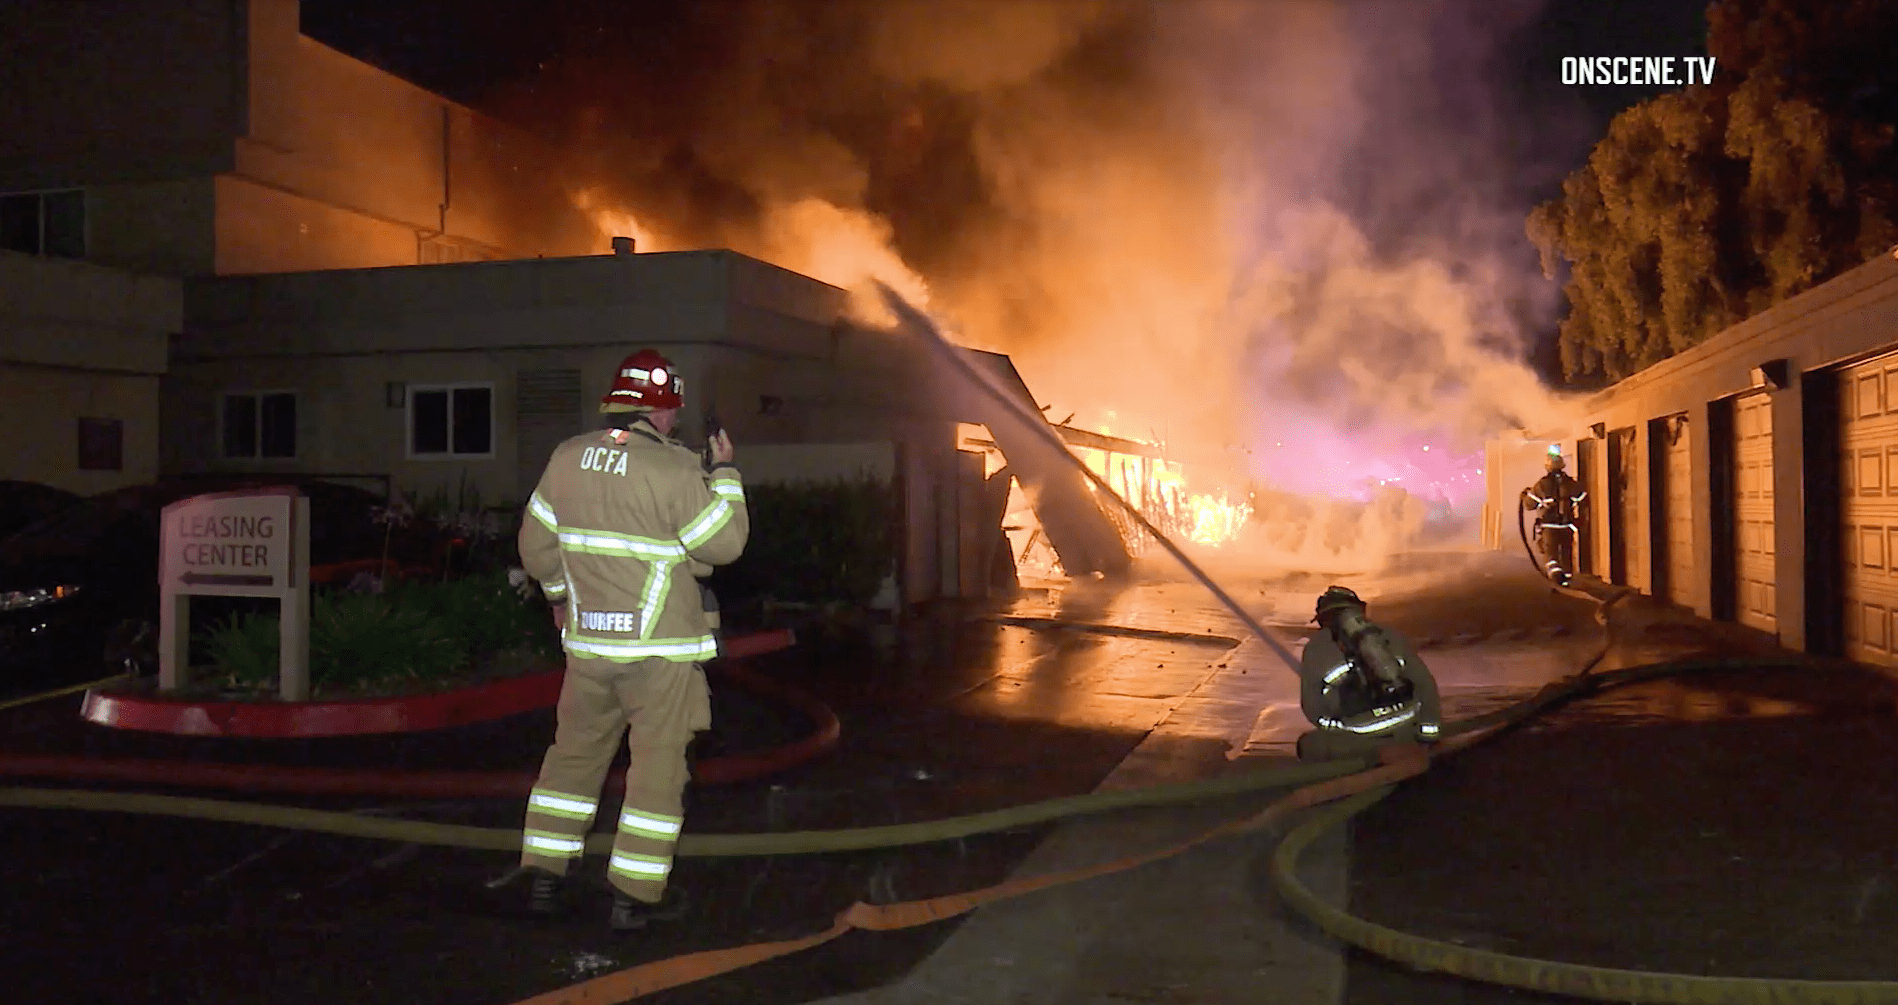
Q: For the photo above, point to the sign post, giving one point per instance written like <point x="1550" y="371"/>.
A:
<point x="254" y="543"/>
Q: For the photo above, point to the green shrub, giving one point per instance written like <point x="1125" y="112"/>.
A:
<point x="244" y="649"/>
<point x="414" y="634"/>
<point x="483" y="613"/>
<point x="365" y="640"/>
<point x="814" y="542"/>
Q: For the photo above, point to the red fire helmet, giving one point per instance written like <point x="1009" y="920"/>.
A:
<point x="645" y="383"/>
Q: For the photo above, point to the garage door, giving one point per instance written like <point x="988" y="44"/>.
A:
<point x="1679" y="506"/>
<point x="1626" y="527"/>
<point x="1754" y="594"/>
<point x="1868" y="418"/>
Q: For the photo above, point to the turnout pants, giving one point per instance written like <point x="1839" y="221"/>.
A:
<point x="1558" y="548"/>
<point x="658" y="704"/>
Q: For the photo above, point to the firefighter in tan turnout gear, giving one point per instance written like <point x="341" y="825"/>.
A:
<point x="1559" y="499"/>
<point x="1362" y="685"/>
<point x="623" y="523"/>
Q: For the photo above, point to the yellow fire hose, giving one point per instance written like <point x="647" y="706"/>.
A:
<point x="1361" y="780"/>
<point x="58" y="692"/>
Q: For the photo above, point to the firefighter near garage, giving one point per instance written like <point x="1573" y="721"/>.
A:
<point x="1559" y="503"/>
<point x="1362" y="685"/>
<point x="623" y="525"/>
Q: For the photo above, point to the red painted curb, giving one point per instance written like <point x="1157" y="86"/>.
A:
<point x="426" y="784"/>
<point x="360" y="716"/>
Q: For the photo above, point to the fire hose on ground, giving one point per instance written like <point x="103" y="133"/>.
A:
<point x="1351" y="785"/>
<point x="1359" y="782"/>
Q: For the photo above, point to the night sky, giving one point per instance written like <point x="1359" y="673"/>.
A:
<point x="466" y="49"/>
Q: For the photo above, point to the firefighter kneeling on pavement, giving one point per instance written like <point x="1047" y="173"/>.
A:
<point x="622" y="526"/>
<point x="1558" y="498"/>
<point x="1363" y="686"/>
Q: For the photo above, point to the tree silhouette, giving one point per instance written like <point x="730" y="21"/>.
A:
<point x="1705" y="206"/>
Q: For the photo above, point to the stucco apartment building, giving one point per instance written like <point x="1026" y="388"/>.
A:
<point x="1754" y="477"/>
<point x="211" y="137"/>
<point x="144" y="144"/>
<point x="381" y="285"/>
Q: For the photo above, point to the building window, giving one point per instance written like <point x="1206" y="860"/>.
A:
<point x="44" y="223"/>
<point x="451" y="421"/>
<point x="101" y="445"/>
<point x="260" y="424"/>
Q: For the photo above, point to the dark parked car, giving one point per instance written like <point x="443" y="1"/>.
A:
<point x="22" y="503"/>
<point x="79" y="589"/>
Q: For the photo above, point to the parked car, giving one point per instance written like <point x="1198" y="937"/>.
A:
<point x="79" y="589"/>
<point x="22" y="503"/>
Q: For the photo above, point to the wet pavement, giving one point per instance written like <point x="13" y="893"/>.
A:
<point x="975" y="715"/>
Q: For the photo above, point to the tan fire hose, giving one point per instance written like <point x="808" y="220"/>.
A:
<point x="1361" y="779"/>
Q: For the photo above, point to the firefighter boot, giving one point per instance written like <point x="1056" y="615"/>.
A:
<point x="630" y="915"/>
<point x="546" y="894"/>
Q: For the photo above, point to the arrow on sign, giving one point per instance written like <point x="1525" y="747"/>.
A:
<point x="213" y="579"/>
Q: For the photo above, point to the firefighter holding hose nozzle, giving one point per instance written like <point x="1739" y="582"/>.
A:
<point x="1362" y="685"/>
<point x="1558" y="498"/>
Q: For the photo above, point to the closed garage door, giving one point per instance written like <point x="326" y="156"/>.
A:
<point x="1679" y="508"/>
<point x="1869" y="419"/>
<point x="1626" y="527"/>
<point x="1756" y="582"/>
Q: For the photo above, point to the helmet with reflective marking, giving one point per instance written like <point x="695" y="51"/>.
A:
<point x="646" y="382"/>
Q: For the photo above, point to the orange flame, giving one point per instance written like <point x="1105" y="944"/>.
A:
<point x="1215" y="520"/>
<point x="611" y="220"/>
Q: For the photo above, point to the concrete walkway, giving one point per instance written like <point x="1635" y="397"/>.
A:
<point x="1203" y="926"/>
<point x="1117" y="938"/>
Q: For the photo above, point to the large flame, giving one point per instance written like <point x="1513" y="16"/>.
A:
<point x="613" y="220"/>
<point x="1215" y="519"/>
<point x="847" y="248"/>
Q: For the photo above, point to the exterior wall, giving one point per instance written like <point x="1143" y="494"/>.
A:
<point x="366" y="165"/>
<point x="321" y="161"/>
<point x="97" y="112"/>
<point x="794" y="462"/>
<point x="79" y="341"/>
<point x="165" y="228"/>
<point x="345" y="424"/>
<point x="663" y="300"/>
<point x="1850" y="317"/>
<point x="40" y="408"/>
<point x="264" y="229"/>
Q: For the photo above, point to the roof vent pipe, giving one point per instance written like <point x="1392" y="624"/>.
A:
<point x="622" y="246"/>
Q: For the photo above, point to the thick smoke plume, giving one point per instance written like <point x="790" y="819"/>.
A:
<point x="1283" y="236"/>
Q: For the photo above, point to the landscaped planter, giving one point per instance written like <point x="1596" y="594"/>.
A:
<point x="275" y="719"/>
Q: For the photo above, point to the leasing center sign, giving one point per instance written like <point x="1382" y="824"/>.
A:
<point x="233" y="543"/>
<point x="254" y="543"/>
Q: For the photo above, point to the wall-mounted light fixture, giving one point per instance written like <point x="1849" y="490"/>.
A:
<point x="1770" y="375"/>
<point x="395" y="394"/>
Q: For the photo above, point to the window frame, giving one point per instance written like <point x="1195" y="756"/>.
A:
<point x="296" y="424"/>
<point x="408" y="420"/>
<point x="117" y="427"/>
<point x="85" y="220"/>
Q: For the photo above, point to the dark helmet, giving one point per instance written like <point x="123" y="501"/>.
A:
<point x="1336" y="599"/>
